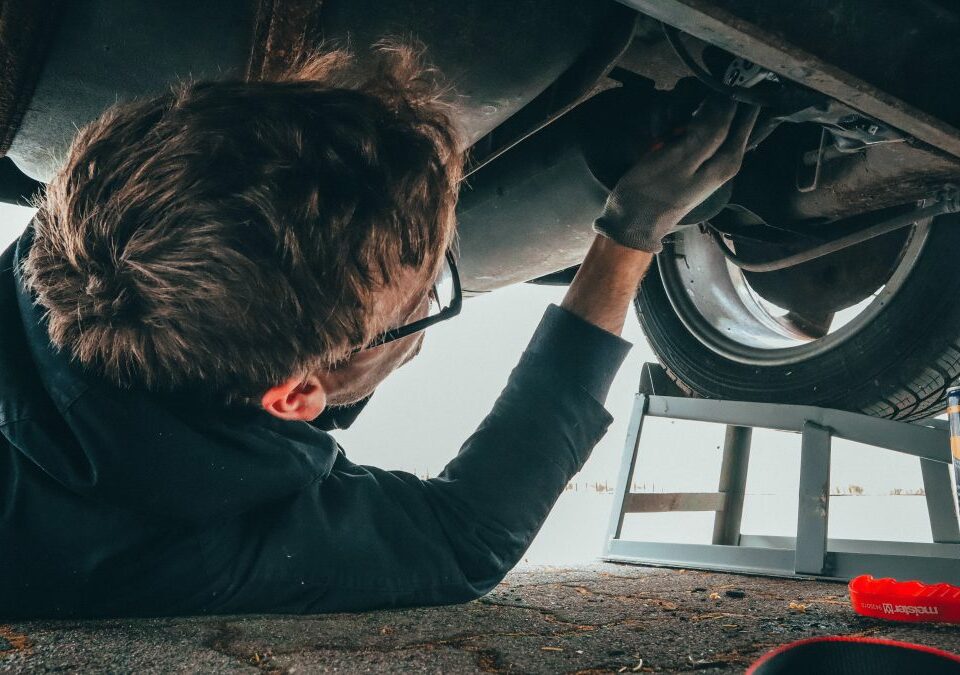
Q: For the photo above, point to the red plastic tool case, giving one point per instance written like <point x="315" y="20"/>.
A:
<point x="905" y="600"/>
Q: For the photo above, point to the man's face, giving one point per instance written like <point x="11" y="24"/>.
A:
<point x="405" y="301"/>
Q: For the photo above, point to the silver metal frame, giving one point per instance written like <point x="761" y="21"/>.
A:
<point x="810" y="553"/>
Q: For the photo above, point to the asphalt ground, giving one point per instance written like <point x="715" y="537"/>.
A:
<point x="600" y="618"/>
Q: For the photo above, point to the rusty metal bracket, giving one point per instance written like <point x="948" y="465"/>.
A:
<point x="945" y="201"/>
<point x="780" y="42"/>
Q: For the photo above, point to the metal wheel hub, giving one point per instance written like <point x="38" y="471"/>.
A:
<point x="714" y="300"/>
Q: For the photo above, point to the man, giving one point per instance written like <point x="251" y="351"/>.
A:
<point x="215" y="267"/>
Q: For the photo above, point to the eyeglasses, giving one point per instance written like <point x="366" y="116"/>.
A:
<point x="446" y="299"/>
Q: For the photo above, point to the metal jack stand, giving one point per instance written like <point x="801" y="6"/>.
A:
<point x="810" y="553"/>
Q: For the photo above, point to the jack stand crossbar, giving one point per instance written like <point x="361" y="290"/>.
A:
<point x="810" y="553"/>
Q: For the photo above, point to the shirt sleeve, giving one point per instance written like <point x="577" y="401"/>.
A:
<point x="363" y="537"/>
<point x="581" y="352"/>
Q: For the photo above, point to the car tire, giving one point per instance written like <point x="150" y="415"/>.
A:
<point x="896" y="366"/>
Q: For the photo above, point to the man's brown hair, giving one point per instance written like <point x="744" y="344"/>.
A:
<point x="228" y="235"/>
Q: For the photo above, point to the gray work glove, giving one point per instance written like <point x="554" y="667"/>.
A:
<point x="668" y="182"/>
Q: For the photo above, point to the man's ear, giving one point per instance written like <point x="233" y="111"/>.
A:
<point x="296" y="399"/>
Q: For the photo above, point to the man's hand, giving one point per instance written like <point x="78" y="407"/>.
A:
<point x="669" y="182"/>
<point x="648" y="202"/>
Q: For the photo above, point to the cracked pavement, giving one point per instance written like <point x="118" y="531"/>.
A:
<point x="599" y="618"/>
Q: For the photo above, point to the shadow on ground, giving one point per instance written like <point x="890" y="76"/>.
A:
<point x="600" y="618"/>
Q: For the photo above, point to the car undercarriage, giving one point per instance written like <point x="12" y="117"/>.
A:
<point x="824" y="273"/>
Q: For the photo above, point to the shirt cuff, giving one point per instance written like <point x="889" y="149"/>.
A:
<point x="577" y="350"/>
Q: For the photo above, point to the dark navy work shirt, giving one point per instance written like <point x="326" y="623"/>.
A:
<point x="118" y="503"/>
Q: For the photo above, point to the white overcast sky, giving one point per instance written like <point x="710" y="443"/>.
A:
<point x="420" y="416"/>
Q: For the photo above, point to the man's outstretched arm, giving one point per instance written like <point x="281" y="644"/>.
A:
<point x="364" y="537"/>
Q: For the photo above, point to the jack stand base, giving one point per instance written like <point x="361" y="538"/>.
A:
<point x="810" y="553"/>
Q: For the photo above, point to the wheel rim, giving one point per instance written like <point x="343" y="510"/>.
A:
<point x="715" y="302"/>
